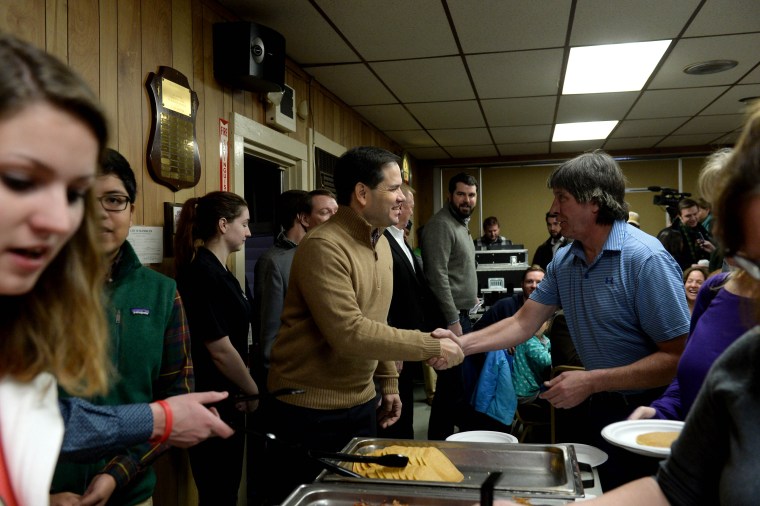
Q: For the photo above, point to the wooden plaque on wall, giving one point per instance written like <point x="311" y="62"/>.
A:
<point x="172" y="154"/>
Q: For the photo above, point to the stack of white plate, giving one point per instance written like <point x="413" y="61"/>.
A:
<point x="483" y="436"/>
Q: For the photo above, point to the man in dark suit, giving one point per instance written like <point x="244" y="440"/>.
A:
<point x="412" y="307"/>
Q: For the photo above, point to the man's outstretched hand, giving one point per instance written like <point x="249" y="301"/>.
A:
<point x="193" y="421"/>
<point x="451" y="352"/>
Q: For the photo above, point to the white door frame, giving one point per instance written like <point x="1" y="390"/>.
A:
<point x="251" y="137"/>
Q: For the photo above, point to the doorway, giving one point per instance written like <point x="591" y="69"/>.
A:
<point x="261" y="188"/>
<point x="254" y="144"/>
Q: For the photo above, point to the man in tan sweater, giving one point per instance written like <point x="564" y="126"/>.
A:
<point x="334" y="340"/>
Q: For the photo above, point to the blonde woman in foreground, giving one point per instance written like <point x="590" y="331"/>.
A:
<point x="52" y="328"/>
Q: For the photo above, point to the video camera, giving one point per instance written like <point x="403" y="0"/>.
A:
<point x="669" y="198"/>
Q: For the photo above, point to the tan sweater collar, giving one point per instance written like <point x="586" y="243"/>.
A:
<point x="356" y="226"/>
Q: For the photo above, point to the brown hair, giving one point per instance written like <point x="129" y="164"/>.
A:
<point x="59" y="325"/>
<point x="740" y="184"/>
<point x="491" y="220"/>
<point x="532" y="268"/>
<point x="698" y="268"/>
<point x="199" y="222"/>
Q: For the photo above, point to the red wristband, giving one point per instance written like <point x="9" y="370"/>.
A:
<point x="168" y="425"/>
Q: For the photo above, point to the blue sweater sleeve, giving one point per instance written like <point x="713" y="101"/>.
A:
<point x="93" y="432"/>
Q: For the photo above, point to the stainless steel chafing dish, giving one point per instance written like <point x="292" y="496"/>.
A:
<point x="342" y="494"/>
<point x="528" y="470"/>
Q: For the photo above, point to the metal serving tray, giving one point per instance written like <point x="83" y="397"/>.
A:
<point x="528" y="470"/>
<point x="344" y="494"/>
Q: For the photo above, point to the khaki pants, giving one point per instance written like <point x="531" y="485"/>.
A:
<point x="428" y="374"/>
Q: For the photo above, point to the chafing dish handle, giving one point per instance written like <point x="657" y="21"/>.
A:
<point x="486" y="489"/>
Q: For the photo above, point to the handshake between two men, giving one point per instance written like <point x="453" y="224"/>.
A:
<point x="451" y="350"/>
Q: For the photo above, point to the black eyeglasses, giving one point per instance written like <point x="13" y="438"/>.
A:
<point x="114" y="203"/>
<point x="751" y="267"/>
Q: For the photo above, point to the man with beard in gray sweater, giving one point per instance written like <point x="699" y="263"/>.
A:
<point x="448" y="253"/>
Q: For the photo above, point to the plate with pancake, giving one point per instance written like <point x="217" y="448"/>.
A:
<point x="645" y="437"/>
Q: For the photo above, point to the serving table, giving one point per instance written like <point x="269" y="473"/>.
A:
<point x="534" y="473"/>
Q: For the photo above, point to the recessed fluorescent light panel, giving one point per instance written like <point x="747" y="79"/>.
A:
<point x="613" y="67"/>
<point x="585" y="131"/>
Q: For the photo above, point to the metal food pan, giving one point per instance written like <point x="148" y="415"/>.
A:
<point x="527" y="469"/>
<point x="345" y="494"/>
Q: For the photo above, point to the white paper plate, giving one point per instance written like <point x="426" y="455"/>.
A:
<point x="588" y="454"/>
<point x="483" y="436"/>
<point x="624" y="434"/>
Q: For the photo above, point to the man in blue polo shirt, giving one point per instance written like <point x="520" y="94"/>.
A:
<point x="623" y="299"/>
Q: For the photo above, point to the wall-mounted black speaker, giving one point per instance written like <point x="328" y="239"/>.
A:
<point x="249" y="56"/>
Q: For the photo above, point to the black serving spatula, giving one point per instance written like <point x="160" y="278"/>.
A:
<point x="388" y="460"/>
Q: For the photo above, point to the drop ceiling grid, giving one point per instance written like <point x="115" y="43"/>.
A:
<point x="409" y="80"/>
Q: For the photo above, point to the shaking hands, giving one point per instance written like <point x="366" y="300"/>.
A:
<point x="451" y="350"/>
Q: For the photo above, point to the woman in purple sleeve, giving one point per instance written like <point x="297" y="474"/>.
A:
<point x="722" y="313"/>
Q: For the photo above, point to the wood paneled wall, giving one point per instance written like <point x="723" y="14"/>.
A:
<point x="114" y="44"/>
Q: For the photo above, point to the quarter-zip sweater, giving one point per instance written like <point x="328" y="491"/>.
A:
<point x="334" y="337"/>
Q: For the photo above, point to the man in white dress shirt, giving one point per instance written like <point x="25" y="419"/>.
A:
<point x="412" y="307"/>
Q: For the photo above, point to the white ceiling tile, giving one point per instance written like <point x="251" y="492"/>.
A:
<point x="618" y="21"/>
<point x="573" y="148"/>
<point x="472" y="151"/>
<point x="354" y="84"/>
<point x="428" y="153"/>
<point x="384" y="117"/>
<point x="753" y="77"/>
<point x="411" y="138"/>
<point x="390" y="29"/>
<point x="594" y="106"/>
<point x="712" y="124"/>
<point x="519" y="111"/>
<point x="670" y="103"/>
<point x="519" y="74"/>
<point x="461" y="137"/>
<point x="688" y="140"/>
<point x="489" y="26"/>
<point x="438" y="115"/>
<point x="421" y="80"/>
<point x="632" y="143"/>
<point x="726" y="16"/>
<point x="534" y="133"/>
<point x="730" y="138"/>
<point x="742" y="48"/>
<point x="646" y="127"/>
<point x="523" y="148"/>
<point x="418" y="85"/>
<point x="728" y="103"/>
